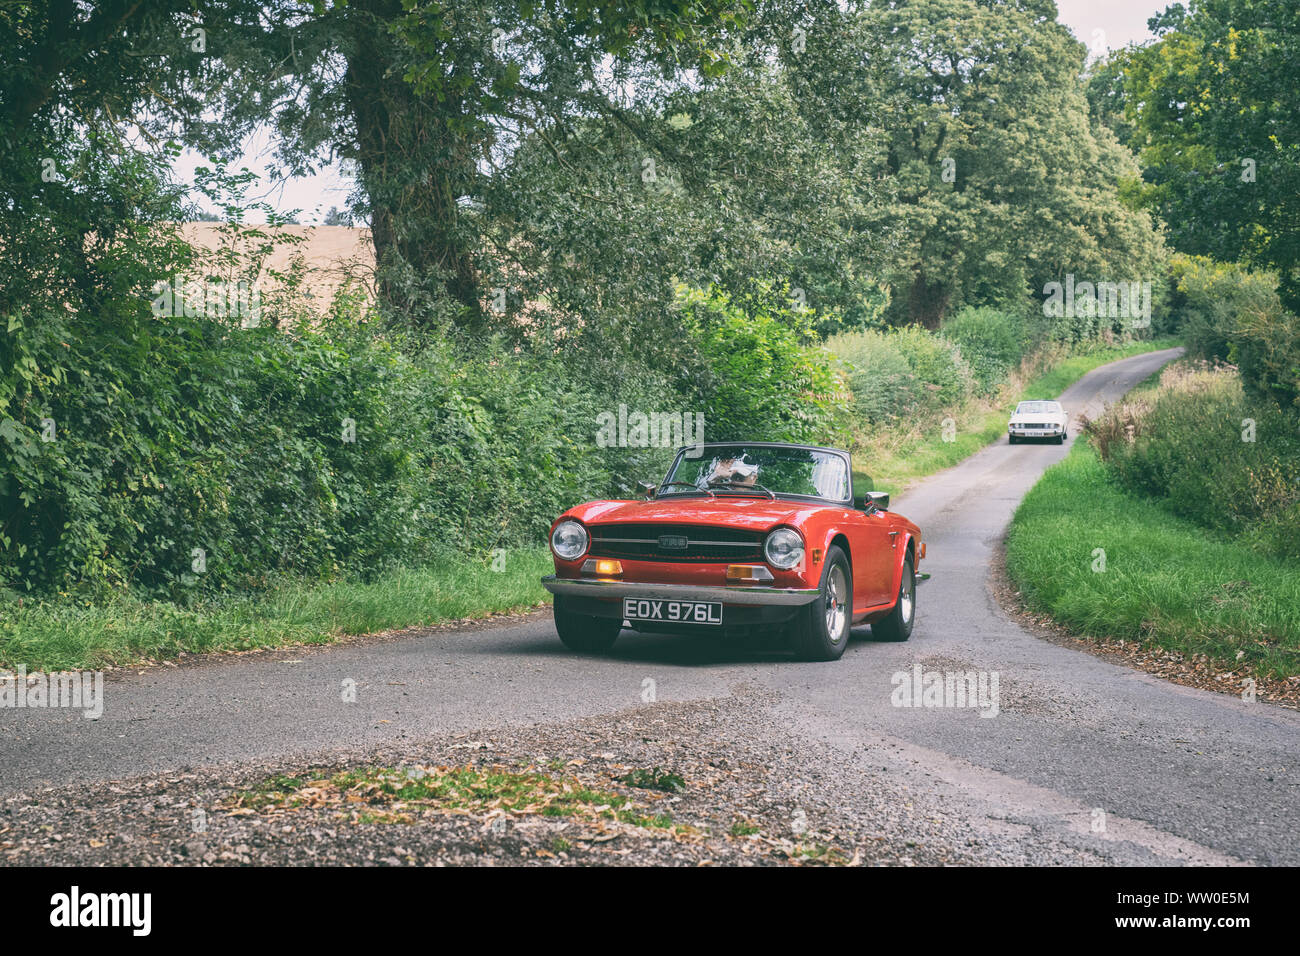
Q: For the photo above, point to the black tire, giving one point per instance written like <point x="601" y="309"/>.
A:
<point x="1011" y="439"/>
<point x="897" y="625"/>
<point x="811" y="633"/>
<point x="582" y="632"/>
<point x="1060" y="439"/>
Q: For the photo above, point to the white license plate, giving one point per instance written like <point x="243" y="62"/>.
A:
<point x="672" y="612"/>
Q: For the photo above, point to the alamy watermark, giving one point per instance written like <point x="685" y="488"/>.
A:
<point x="75" y="908"/>
<point x="1101" y="300"/>
<point x="922" y="688"/>
<point x="208" y="299"/>
<point x="78" y="690"/>
<point x="650" y="430"/>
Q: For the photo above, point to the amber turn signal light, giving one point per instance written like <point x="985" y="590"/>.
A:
<point x="602" y="568"/>
<point x="748" y="573"/>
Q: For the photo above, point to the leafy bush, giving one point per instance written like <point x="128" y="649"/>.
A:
<point x="944" y="376"/>
<point x="1211" y="454"/>
<point x="759" y="380"/>
<point x="992" y="343"/>
<point x="902" y="372"/>
<point x="192" y="455"/>
<point x="881" y="382"/>
<point x="1232" y="314"/>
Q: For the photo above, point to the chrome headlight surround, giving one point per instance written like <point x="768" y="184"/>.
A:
<point x="783" y="548"/>
<point x="569" y="540"/>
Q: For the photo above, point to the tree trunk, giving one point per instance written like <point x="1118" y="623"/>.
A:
<point x="927" y="302"/>
<point x="415" y="166"/>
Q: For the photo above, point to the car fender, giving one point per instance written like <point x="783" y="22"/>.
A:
<point x="909" y="537"/>
<point x="819" y="533"/>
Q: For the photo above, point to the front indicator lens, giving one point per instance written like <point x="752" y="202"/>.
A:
<point x="569" y="540"/>
<point x="602" y="568"/>
<point x="783" y="549"/>
<point x="748" y="574"/>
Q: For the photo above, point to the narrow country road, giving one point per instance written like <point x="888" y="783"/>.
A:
<point x="1083" y="752"/>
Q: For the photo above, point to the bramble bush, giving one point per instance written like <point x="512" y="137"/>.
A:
<point x="1213" y="454"/>
<point x="992" y="341"/>
<point x="902" y="372"/>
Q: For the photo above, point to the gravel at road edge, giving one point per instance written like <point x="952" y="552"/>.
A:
<point x="740" y="766"/>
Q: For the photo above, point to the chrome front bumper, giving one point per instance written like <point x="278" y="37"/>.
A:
<point x="606" y="588"/>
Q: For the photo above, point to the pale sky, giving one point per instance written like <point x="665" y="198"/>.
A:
<point x="1120" y="22"/>
<point x="314" y="195"/>
<point x="1101" y="24"/>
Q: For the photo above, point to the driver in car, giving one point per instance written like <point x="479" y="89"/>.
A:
<point x="735" y="471"/>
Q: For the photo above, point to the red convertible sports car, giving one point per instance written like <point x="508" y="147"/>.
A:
<point x="741" y="538"/>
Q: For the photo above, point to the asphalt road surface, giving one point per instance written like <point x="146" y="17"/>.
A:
<point x="1080" y="748"/>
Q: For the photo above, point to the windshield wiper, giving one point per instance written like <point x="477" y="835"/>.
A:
<point x="687" y="484"/>
<point x="746" y="486"/>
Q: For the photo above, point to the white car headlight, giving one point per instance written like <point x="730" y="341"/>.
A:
<point x="569" y="540"/>
<point x="783" y="549"/>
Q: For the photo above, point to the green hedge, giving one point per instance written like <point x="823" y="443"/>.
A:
<point x="907" y="372"/>
<point x="179" y="436"/>
<point x="337" y="448"/>
<point x="1235" y="315"/>
<point x="1214" y="455"/>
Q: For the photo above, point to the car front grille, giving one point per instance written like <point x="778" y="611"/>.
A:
<point x="663" y="542"/>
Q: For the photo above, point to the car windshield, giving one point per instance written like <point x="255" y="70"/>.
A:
<point x="757" y="469"/>
<point x="1037" y="408"/>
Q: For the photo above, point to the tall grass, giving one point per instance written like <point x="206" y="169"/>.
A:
<point x="1210" y="452"/>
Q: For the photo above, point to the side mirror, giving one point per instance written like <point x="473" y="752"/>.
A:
<point x="647" y="489"/>
<point x="873" y="500"/>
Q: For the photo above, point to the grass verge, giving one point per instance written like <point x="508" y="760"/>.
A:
<point x="1167" y="582"/>
<point x="66" y="635"/>
<point x="899" y="459"/>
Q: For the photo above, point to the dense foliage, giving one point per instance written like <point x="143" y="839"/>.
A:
<point x="992" y="342"/>
<point x="902" y="373"/>
<point x="1235" y="315"/>
<point x="324" y="451"/>
<point x="1212" y="454"/>
<point x="576" y="207"/>
<point x="759" y="374"/>
<point x="1002" y="180"/>
<point x="1210" y="108"/>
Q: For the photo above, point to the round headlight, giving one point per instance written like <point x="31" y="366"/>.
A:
<point x="783" y="549"/>
<point x="569" y="540"/>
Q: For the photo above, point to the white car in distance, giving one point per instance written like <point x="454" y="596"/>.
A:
<point x="1038" y="420"/>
